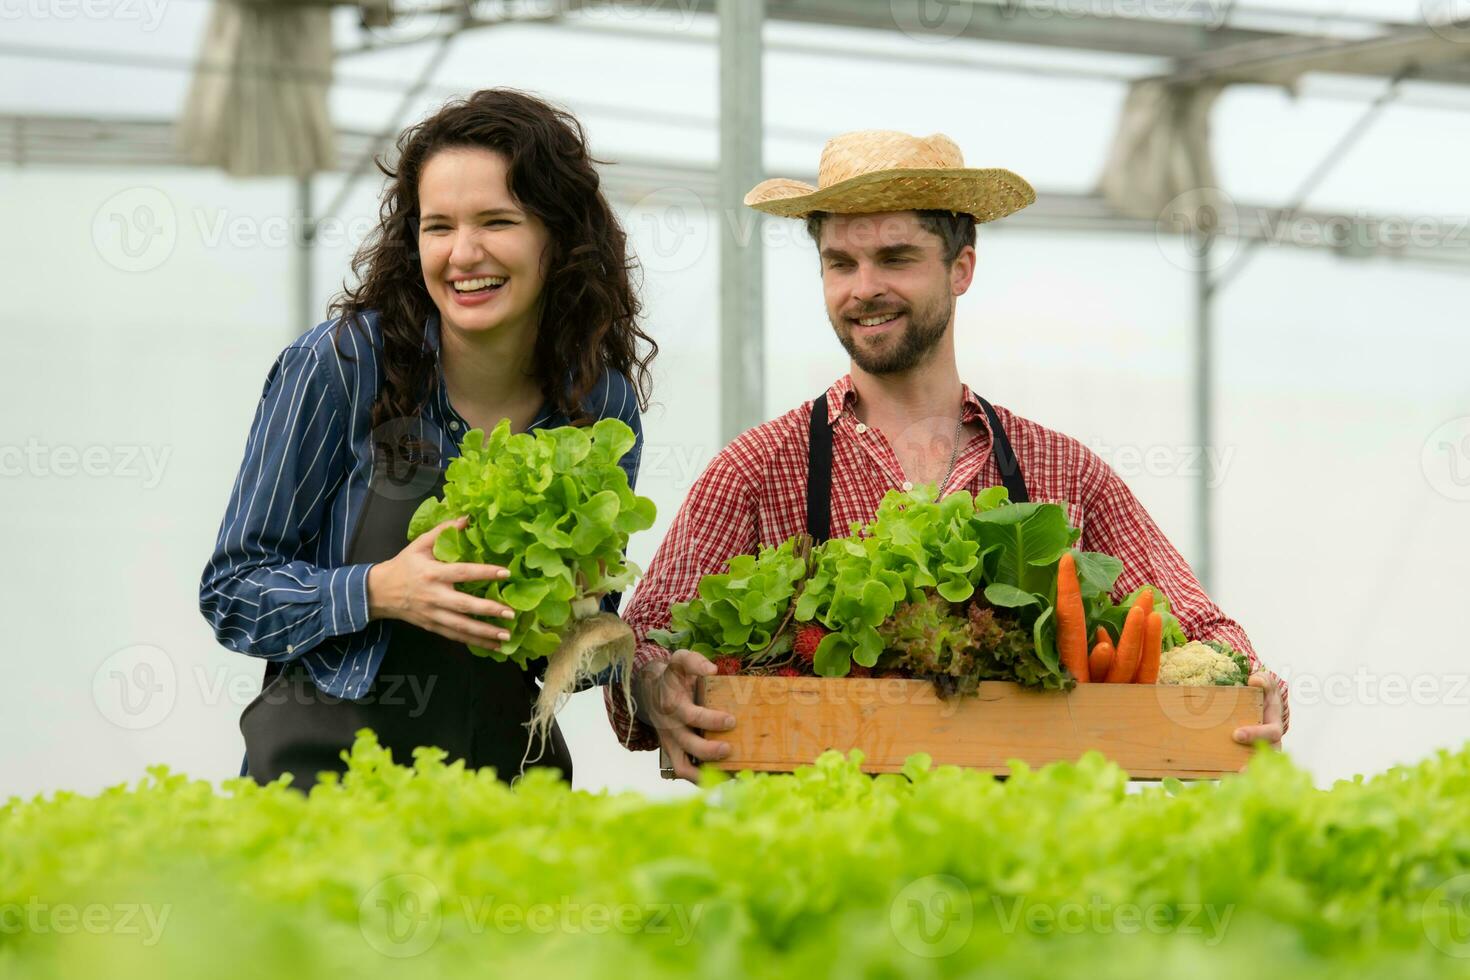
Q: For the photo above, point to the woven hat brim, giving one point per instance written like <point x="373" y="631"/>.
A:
<point x="986" y="194"/>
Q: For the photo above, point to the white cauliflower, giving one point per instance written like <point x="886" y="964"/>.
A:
<point x="1196" y="664"/>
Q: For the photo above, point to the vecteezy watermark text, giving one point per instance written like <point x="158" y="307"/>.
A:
<point x="63" y="918"/>
<point x="42" y="460"/>
<point x="401" y="916"/>
<point x="1162" y="460"/>
<point x="1126" y="918"/>
<point x="147" y="13"/>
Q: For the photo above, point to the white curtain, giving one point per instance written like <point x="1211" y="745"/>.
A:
<point x="258" y="102"/>
<point x="1162" y="148"/>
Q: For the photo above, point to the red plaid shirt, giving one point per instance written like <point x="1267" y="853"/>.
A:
<point x="754" y="493"/>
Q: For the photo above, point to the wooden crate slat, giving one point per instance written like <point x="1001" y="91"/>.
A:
<point x="1151" y="731"/>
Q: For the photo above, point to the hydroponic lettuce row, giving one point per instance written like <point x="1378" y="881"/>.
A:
<point x="436" y="872"/>
<point x="959" y="590"/>
<point x="554" y="507"/>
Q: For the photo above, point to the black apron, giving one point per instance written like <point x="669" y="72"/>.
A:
<point x="429" y="690"/>
<point x="819" y="467"/>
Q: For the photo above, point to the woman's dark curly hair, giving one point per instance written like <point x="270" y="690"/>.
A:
<point x="589" y="310"/>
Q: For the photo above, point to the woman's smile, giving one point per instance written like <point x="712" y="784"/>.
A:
<point x="478" y="290"/>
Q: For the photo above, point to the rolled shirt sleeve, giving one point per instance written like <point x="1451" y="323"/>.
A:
<point x="717" y="520"/>
<point x="257" y="592"/>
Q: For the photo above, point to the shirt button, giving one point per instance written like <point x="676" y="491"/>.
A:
<point x="454" y="426"/>
<point x="290" y="648"/>
<point x="907" y="485"/>
<point x="862" y="428"/>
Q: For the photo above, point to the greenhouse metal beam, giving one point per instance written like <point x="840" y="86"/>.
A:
<point x="1196" y="28"/>
<point x="1053" y="24"/>
<point x="742" y="306"/>
<point x="1436" y="242"/>
<point x="1417" y="52"/>
<point x="1437" y="97"/>
<point x="1204" y="413"/>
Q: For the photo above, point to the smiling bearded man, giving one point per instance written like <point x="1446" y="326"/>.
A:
<point x="894" y="220"/>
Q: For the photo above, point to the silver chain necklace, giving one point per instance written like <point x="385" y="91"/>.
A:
<point x="954" y="454"/>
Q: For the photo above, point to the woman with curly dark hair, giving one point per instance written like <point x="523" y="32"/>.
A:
<point x="498" y="285"/>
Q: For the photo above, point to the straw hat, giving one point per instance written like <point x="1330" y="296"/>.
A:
<point x="882" y="170"/>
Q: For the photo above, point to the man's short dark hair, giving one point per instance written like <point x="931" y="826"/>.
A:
<point x="954" y="230"/>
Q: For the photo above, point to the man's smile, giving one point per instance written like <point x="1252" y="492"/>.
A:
<point x="874" y="323"/>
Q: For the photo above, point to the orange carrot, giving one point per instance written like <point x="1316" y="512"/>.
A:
<point x="1145" y="601"/>
<point x="1153" y="646"/>
<point x="1100" y="660"/>
<point x="1100" y="635"/>
<point x="1071" y="620"/>
<point x="1130" y="647"/>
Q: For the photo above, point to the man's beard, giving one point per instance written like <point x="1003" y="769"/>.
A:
<point x="924" y="330"/>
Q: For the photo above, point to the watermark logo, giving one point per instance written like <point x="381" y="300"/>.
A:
<point x="292" y="229"/>
<point x="400" y="917"/>
<point x="932" y="21"/>
<point x="1204" y="225"/>
<point x="681" y="13"/>
<point x="569" y="917"/>
<point x="1200" y="225"/>
<point x="148" y="14"/>
<point x="407" y="457"/>
<point x="136" y="687"/>
<point x="1446" y="917"/>
<point x="811" y="692"/>
<point x="677" y="464"/>
<point x="1446" y="459"/>
<point x="1202" y="708"/>
<point x="37" y="918"/>
<point x="671" y="227"/>
<point x="1363" y="686"/>
<point x="135" y="230"/>
<point x="1099" y="917"/>
<point x="44" y="461"/>
<point x="1450" y="19"/>
<point x="933" y="916"/>
<point x="1163" y="460"/>
<point x="939" y="440"/>
<point x="408" y="21"/>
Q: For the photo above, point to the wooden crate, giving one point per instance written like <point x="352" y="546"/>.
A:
<point x="1151" y="731"/>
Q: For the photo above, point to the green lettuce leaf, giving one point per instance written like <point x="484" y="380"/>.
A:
<point x="555" y="508"/>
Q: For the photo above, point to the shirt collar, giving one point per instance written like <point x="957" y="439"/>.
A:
<point x="842" y="396"/>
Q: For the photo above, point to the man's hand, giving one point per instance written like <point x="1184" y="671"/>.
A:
<point x="1270" y="728"/>
<point x="664" y="691"/>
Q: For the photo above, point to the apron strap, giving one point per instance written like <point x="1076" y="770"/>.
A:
<point x="819" y="473"/>
<point x="1005" y="457"/>
<point x="819" y="467"/>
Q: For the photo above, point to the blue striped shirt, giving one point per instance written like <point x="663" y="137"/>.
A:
<point x="278" y="585"/>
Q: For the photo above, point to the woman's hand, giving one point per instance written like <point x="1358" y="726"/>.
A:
<point x="418" y="588"/>
<point x="664" y="692"/>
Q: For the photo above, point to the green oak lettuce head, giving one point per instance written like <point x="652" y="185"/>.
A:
<point x="555" y="508"/>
